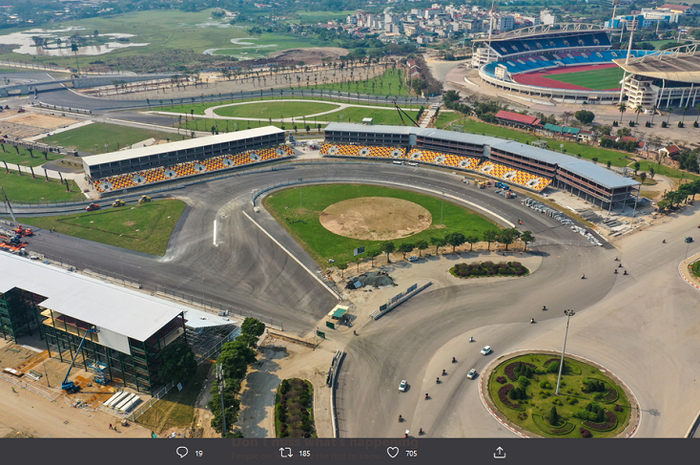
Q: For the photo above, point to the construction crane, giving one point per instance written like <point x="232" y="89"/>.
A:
<point x="402" y="112"/>
<point x="70" y="386"/>
<point x="19" y="229"/>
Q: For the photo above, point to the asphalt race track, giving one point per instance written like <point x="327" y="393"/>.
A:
<point x="629" y="324"/>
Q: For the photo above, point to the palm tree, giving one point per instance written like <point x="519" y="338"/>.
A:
<point x="653" y="113"/>
<point x="638" y="110"/>
<point x="670" y="111"/>
<point x="622" y="108"/>
<point x="685" y="110"/>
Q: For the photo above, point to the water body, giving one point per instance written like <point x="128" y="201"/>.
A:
<point x="25" y="44"/>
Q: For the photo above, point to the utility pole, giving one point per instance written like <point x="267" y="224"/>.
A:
<point x="569" y="313"/>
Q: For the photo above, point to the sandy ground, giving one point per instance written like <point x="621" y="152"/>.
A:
<point x="310" y="56"/>
<point x="375" y="218"/>
<point x="42" y="120"/>
<point x="35" y="415"/>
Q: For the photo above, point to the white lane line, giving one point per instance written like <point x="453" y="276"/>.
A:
<point x="215" y="244"/>
<point x="293" y="257"/>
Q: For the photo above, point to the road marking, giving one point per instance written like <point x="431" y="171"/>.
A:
<point x="293" y="257"/>
<point x="215" y="244"/>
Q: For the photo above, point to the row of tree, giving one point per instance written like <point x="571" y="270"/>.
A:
<point x="456" y="239"/>
<point x="234" y="360"/>
<point x="674" y="198"/>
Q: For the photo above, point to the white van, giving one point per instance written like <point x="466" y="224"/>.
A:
<point x="397" y="162"/>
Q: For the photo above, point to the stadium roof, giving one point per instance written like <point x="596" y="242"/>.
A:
<point x="597" y="174"/>
<point x="677" y="64"/>
<point x="123" y="311"/>
<point x="179" y="145"/>
<point x="517" y="117"/>
<point x="545" y="30"/>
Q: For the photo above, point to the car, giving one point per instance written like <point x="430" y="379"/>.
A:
<point x="486" y="350"/>
<point x="118" y="203"/>
<point x="472" y="373"/>
<point x="689" y="239"/>
<point x="403" y="386"/>
<point x="91" y="207"/>
<point x="412" y="258"/>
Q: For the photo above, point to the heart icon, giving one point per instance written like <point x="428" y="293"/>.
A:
<point x="392" y="452"/>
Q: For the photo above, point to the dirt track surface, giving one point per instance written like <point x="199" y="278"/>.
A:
<point x="375" y="218"/>
<point x="310" y="56"/>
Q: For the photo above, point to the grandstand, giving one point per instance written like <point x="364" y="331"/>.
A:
<point x="663" y="79"/>
<point x="519" y="164"/>
<point x="148" y="165"/>
<point x="520" y="61"/>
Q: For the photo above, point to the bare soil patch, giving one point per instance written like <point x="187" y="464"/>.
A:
<point x="43" y="121"/>
<point x="375" y="218"/>
<point x="310" y="56"/>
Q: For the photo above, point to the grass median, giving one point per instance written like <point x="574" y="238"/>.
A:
<point x="144" y="228"/>
<point x="36" y="190"/>
<point x="93" y="137"/>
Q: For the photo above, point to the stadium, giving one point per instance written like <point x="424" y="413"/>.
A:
<point x="575" y="64"/>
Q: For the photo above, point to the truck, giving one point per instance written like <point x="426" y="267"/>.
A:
<point x="144" y="199"/>
<point x="118" y="203"/>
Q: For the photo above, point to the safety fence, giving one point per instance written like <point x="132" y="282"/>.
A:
<point x="48" y="393"/>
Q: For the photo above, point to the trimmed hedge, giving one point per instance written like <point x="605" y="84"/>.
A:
<point x="610" y="423"/>
<point x="294" y="409"/>
<point x="503" y="397"/>
<point x="488" y="268"/>
<point x="566" y="428"/>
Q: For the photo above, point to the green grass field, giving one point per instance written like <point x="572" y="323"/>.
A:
<point x="540" y="397"/>
<point x="166" y="30"/>
<point x="389" y="83"/>
<point x="26" y="189"/>
<point x="598" y="79"/>
<point x="144" y="228"/>
<point x="265" y="109"/>
<point x="22" y="156"/>
<point x="323" y="245"/>
<point x="445" y="118"/>
<point x="93" y="137"/>
<point x="355" y="115"/>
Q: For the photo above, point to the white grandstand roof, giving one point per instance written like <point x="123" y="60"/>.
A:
<point x="180" y="145"/>
<point x="598" y="174"/>
<point x="123" y="311"/>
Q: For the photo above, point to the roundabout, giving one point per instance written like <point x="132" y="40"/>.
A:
<point x="519" y="390"/>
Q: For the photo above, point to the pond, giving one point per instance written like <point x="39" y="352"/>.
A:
<point x="26" y="45"/>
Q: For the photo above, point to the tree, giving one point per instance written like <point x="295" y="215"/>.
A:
<point x="527" y="237"/>
<point x="636" y="167"/>
<point x="609" y="163"/>
<point x="342" y="267"/>
<point x="177" y="363"/>
<point x="653" y="113"/>
<point x="584" y="116"/>
<point x="421" y="246"/>
<point x="471" y="240"/>
<point x="388" y="248"/>
<point x="553" y="417"/>
<point x="643" y="177"/>
<point x="372" y="254"/>
<point x="405" y="248"/>
<point x="638" y="110"/>
<point x="652" y="172"/>
<point x="95" y="33"/>
<point x="490" y="236"/>
<point x="508" y="236"/>
<point x="566" y="116"/>
<point x="455" y="239"/>
<point x="253" y="327"/>
<point x="438" y="242"/>
<point x="622" y="108"/>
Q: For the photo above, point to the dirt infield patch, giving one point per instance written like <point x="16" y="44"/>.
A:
<point x="375" y="218"/>
<point x="41" y="120"/>
<point x="310" y="56"/>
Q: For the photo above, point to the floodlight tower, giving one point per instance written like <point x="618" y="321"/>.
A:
<point x="569" y="313"/>
<point x="632" y="27"/>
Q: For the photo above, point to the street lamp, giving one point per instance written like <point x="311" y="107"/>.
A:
<point x="569" y="313"/>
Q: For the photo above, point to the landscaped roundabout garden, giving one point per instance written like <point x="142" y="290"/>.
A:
<point x="589" y="404"/>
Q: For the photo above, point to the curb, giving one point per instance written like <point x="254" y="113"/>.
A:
<point x="517" y="432"/>
<point x="688" y="261"/>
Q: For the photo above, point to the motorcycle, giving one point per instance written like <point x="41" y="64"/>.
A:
<point x="444" y="373"/>
<point x="421" y="432"/>
<point x="615" y="270"/>
<point x="544" y="308"/>
<point x="583" y="276"/>
<point x="437" y="381"/>
<point x="625" y="273"/>
<point x="471" y="338"/>
<point x="400" y="418"/>
<point x="454" y="360"/>
<point x="532" y="320"/>
<point x="427" y="396"/>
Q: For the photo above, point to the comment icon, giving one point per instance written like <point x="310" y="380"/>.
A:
<point x="182" y="451"/>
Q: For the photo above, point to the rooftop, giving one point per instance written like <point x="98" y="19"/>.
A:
<point x="123" y="311"/>
<point x="517" y="117"/>
<point x="180" y="145"/>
